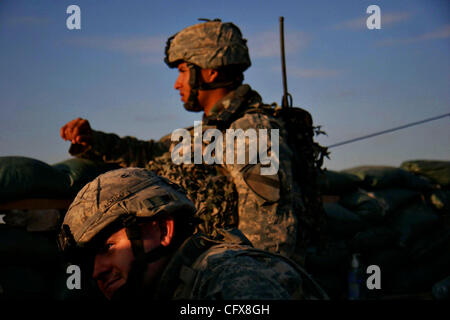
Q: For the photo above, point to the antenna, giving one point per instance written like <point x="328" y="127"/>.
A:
<point x="286" y="101"/>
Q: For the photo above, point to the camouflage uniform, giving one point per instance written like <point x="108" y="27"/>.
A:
<point x="266" y="208"/>
<point x="220" y="191"/>
<point x="224" y="267"/>
<point x="230" y="268"/>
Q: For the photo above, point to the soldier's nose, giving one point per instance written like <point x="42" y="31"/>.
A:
<point x="178" y="83"/>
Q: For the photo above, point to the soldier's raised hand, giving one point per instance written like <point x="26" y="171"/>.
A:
<point x="78" y="131"/>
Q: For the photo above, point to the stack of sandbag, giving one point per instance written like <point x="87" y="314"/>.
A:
<point x="22" y="177"/>
<point x="396" y="218"/>
<point x="30" y="265"/>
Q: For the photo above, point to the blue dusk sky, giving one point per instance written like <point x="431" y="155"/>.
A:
<point x="353" y="80"/>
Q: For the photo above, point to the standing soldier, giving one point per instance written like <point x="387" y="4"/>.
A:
<point x="271" y="210"/>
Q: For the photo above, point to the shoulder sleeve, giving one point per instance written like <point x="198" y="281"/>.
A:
<point x="257" y="161"/>
<point x="243" y="274"/>
<point x="265" y="201"/>
<point x="126" y="151"/>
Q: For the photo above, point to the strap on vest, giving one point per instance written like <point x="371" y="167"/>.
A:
<point x="178" y="271"/>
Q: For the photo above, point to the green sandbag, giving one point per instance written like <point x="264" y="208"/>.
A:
<point x="342" y="223"/>
<point x="413" y="222"/>
<point x="365" y="206"/>
<point x="437" y="171"/>
<point x="22" y="177"/>
<point x="336" y="183"/>
<point x="82" y="171"/>
<point x="380" y="177"/>
<point x="393" y="199"/>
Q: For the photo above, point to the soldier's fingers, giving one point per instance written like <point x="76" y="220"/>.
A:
<point x="73" y="128"/>
<point x="62" y="133"/>
<point x="84" y="140"/>
<point x="68" y="132"/>
<point x="65" y="130"/>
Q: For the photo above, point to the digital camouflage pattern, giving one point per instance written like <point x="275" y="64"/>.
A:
<point x="120" y="193"/>
<point x="270" y="225"/>
<point x="284" y="226"/>
<point x="229" y="268"/>
<point x="211" y="44"/>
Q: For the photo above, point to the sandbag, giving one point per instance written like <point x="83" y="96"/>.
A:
<point x="336" y="183"/>
<point x="364" y="205"/>
<point x="82" y="171"/>
<point x="342" y="223"/>
<point x="34" y="220"/>
<point x="437" y="171"/>
<point x="380" y="177"/>
<point x="22" y="177"/>
<point x="393" y="199"/>
<point x="440" y="199"/>
<point x="412" y="222"/>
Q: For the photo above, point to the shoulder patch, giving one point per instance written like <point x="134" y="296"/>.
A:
<point x="265" y="186"/>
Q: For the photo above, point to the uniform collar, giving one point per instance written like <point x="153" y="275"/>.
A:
<point x="230" y="104"/>
<point x="178" y="270"/>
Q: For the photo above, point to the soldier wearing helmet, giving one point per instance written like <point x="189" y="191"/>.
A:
<point x="211" y="58"/>
<point x="136" y="231"/>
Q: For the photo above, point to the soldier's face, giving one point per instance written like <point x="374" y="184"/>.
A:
<point x="182" y="82"/>
<point x="113" y="261"/>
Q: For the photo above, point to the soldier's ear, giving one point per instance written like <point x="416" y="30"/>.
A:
<point x="209" y="75"/>
<point x="167" y="227"/>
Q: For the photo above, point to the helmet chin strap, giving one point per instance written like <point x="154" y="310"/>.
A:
<point x="196" y="84"/>
<point x="134" y="286"/>
<point x="192" y="103"/>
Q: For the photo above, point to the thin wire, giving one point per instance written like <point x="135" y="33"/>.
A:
<point x="388" y="130"/>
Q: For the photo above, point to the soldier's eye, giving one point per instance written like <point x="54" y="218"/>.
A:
<point x="106" y="247"/>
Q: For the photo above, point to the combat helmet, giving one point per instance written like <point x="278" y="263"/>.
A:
<point x="122" y="198"/>
<point x="208" y="45"/>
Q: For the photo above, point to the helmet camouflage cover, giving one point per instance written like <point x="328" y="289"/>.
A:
<point x="211" y="44"/>
<point x="118" y="194"/>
